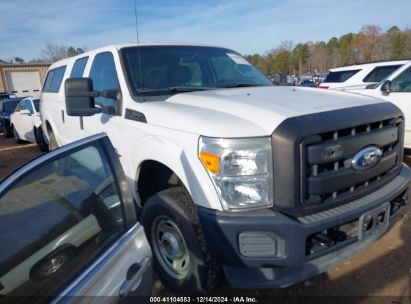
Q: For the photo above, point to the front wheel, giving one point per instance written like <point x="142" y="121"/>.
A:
<point x="41" y="143"/>
<point x="52" y="141"/>
<point x="6" y="131"/>
<point x="181" y="256"/>
<point x="16" y="135"/>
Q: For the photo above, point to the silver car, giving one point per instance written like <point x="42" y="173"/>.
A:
<point x="69" y="229"/>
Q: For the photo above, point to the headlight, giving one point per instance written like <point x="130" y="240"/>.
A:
<point x="241" y="170"/>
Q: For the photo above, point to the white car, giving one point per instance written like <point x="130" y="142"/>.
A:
<point x="269" y="184"/>
<point x="25" y="123"/>
<point x="397" y="89"/>
<point x="358" y="76"/>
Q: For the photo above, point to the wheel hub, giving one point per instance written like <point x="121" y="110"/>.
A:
<point x="169" y="247"/>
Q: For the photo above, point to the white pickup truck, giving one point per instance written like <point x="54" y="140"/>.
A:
<point x="268" y="185"/>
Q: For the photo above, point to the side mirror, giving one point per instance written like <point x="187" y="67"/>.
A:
<point x="25" y="112"/>
<point x="80" y="97"/>
<point x="386" y="86"/>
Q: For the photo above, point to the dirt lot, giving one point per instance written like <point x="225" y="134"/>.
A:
<point x="384" y="270"/>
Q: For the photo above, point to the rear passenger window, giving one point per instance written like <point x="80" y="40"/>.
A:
<point x="380" y="73"/>
<point x="54" y="79"/>
<point x="340" y="76"/>
<point x="104" y="76"/>
<point x="57" y="79"/>
<point x="49" y="79"/>
<point x="78" y="67"/>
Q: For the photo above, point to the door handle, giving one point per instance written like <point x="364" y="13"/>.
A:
<point x="134" y="277"/>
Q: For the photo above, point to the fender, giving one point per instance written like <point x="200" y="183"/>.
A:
<point x="183" y="162"/>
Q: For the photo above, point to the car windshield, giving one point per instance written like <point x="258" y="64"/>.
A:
<point x="174" y="69"/>
<point x="10" y="106"/>
<point x="37" y="104"/>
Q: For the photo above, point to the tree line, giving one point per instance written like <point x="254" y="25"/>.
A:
<point x="369" y="44"/>
<point x="51" y="53"/>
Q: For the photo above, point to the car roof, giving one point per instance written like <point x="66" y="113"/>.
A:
<point x="18" y="99"/>
<point x="370" y="65"/>
<point x="125" y="45"/>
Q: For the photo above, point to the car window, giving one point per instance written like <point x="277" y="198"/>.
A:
<point x="49" y="79"/>
<point x="37" y="104"/>
<point x="57" y="79"/>
<point x="28" y="105"/>
<point x="55" y="221"/>
<point x="340" y="76"/>
<point x="379" y="73"/>
<point x="78" y="67"/>
<point x="403" y="82"/>
<point x="104" y="76"/>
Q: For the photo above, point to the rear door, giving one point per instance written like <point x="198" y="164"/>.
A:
<point x="69" y="230"/>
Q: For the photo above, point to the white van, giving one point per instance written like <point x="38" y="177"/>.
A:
<point x="270" y="185"/>
<point x="358" y="76"/>
<point x="397" y="89"/>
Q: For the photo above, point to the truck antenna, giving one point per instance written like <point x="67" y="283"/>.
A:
<point x="138" y="50"/>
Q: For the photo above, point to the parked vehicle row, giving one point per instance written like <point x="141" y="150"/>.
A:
<point x="395" y="88"/>
<point x="358" y="76"/>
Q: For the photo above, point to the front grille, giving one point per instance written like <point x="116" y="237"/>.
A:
<point x="327" y="177"/>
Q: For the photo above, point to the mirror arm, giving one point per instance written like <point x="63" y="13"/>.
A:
<point x="83" y="94"/>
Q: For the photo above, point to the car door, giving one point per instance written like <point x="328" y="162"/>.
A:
<point x="400" y="94"/>
<point x="26" y="121"/>
<point x="69" y="231"/>
<point x="16" y="118"/>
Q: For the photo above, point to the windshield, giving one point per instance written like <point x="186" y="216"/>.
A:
<point x="174" y="69"/>
<point x="10" y="106"/>
<point x="37" y="104"/>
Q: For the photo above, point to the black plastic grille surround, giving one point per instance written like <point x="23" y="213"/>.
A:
<point x="312" y="156"/>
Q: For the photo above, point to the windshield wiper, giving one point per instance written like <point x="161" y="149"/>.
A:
<point x="238" y="85"/>
<point x="172" y="90"/>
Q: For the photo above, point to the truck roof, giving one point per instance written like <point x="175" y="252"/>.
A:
<point x="124" y="45"/>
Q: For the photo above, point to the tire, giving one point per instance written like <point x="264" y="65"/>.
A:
<point x="16" y="135"/>
<point x="52" y="141"/>
<point x="6" y="131"/>
<point x="51" y="264"/>
<point x="181" y="256"/>
<point x="41" y="143"/>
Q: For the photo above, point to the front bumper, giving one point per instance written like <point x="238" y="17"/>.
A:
<point x="291" y="261"/>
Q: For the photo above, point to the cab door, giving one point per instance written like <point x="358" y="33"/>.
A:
<point x="69" y="230"/>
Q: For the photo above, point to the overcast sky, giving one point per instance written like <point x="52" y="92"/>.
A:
<point x="249" y="26"/>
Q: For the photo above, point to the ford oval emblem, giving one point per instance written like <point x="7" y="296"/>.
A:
<point x="366" y="158"/>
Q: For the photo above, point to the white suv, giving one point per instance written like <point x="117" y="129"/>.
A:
<point x="270" y="185"/>
<point x="358" y="76"/>
<point x="397" y="89"/>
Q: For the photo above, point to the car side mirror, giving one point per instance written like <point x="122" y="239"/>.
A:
<point x="80" y="97"/>
<point x="25" y="112"/>
<point x="386" y="86"/>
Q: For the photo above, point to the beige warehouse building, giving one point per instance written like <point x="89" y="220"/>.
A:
<point x="23" y="79"/>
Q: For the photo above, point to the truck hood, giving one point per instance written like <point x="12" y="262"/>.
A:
<point x="243" y="112"/>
